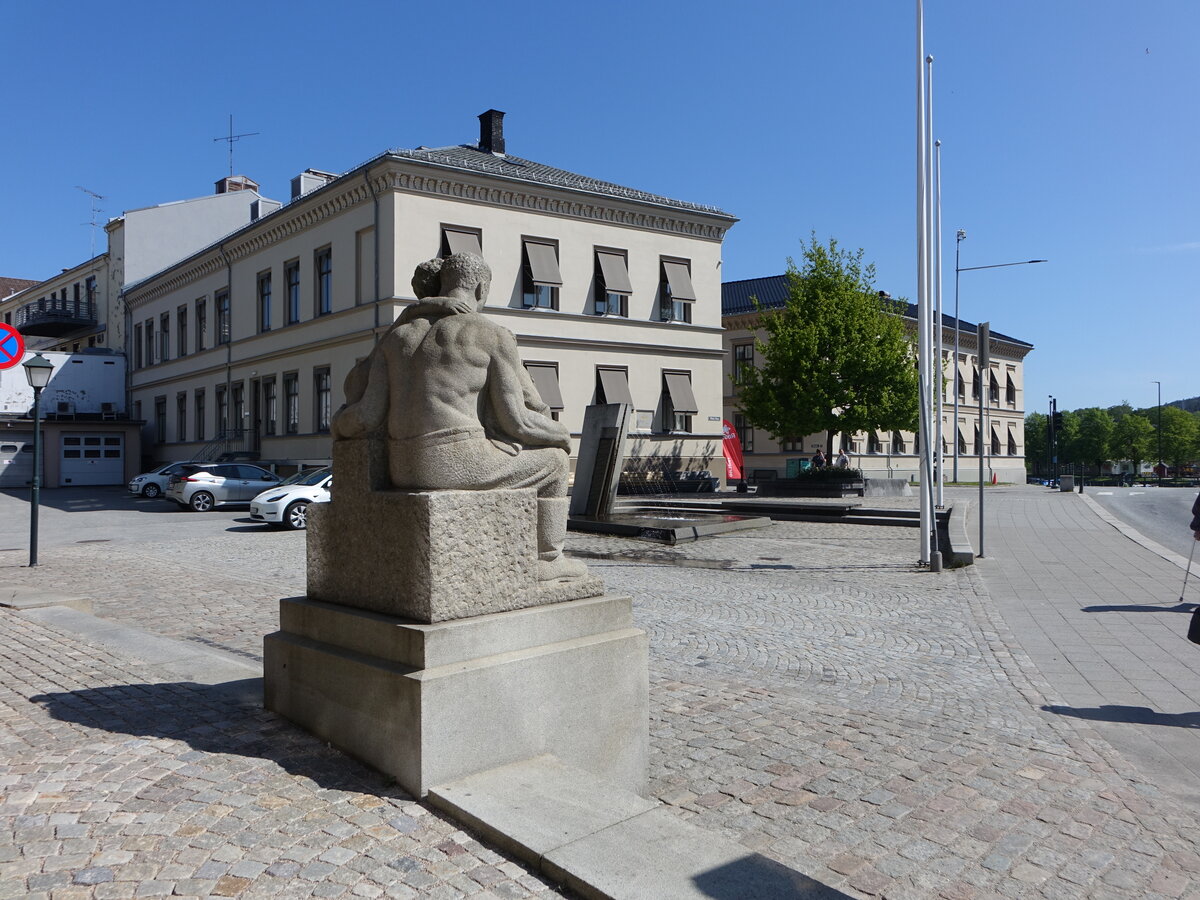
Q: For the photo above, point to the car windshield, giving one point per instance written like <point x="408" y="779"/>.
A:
<point x="307" y="478"/>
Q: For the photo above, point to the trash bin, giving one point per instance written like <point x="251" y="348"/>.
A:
<point x="1066" y="483"/>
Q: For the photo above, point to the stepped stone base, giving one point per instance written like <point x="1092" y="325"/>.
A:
<point x="433" y="702"/>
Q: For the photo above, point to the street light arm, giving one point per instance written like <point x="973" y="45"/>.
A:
<point x="1024" y="262"/>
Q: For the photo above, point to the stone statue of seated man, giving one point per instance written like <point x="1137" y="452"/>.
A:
<point x="460" y="410"/>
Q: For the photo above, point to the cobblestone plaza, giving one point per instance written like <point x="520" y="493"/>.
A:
<point x="814" y="696"/>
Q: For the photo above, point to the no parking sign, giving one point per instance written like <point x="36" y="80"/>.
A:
<point x="12" y="347"/>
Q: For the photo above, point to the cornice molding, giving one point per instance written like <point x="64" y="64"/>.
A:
<point x="400" y="175"/>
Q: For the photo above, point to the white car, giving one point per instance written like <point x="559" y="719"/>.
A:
<point x="153" y="483"/>
<point x="286" y="504"/>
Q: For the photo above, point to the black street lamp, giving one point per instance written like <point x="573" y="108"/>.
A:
<point x="959" y="238"/>
<point x="1159" y="470"/>
<point x="38" y="370"/>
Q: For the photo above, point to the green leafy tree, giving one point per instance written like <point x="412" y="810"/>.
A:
<point x="1065" y="439"/>
<point x="1180" y="437"/>
<point x="837" y="357"/>
<point x="1036" y="438"/>
<point x="1093" y="440"/>
<point x="1120" y="411"/>
<point x="1133" y="439"/>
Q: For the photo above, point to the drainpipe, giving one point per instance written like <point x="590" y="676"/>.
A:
<point x="375" y="267"/>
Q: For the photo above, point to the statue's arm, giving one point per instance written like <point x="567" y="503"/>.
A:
<point x="358" y="418"/>
<point x="440" y="306"/>
<point x="510" y="393"/>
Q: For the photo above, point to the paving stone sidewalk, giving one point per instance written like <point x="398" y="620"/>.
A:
<point x="814" y="696"/>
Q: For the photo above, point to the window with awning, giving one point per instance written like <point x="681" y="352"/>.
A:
<point x="680" y="279"/>
<point x="614" y="386"/>
<point x="1012" y="442"/>
<point x="676" y="294"/>
<point x="679" y="404"/>
<point x="615" y="271"/>
<point x="995" y="442"/>
<point x="461" y="240"/>
<point x="540" y="275"/>
<point x="545" y="379"/>
<point x="1010" y="394"/>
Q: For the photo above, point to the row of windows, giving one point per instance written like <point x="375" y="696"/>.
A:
<point x="152" y="346"/>
<point x="874" y="445"/>
<point x="676" y="404"/>
<point x="273" y="407"/>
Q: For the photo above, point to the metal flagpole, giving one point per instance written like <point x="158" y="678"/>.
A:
<point x="938" y="371"/>
<point x="922" y="284"/>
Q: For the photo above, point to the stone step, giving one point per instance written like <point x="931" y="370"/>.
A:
<point x="605" y="842"/>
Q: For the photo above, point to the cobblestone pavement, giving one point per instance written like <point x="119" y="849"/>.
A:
<point x="813" y="695"/>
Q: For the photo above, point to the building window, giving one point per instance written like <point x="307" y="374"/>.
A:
<point x="996" y="451"/>
<point x="744" y="431"/>
<point x="321" y="398"/>
<point x="164" y="337"/>
<point x="238" y="422"/>
<point x="975" y="383"/>
<point x="181" y="417"/>
<point x="540" y="276"/>
<point x="270" y="413"/>
<point x="872" y="442"/>
<point x="993" y="388"/>
<point x="90" y="288"/>
<point x="149" y="342"/>
<point x="962" y="388"/>
<point x="978" y="442"/>
<point x="160" y="419"/>
<point x="201" y="325"/>
<point x="675" y="291"/>
<point x="962" y="441"/>
<point x="1010" y="390"/>
<point x="324" y="281"/>
<point x="291" y="284"/>
<point x="222" y="411"/>
<point x="612" y="284"/>
<point x="790" y="446"/>
<point x="199" y="404"/>
<point x="457" y="239"/>
<point x="181" y="318"/>
<point x="291" y="403"/>
<point x="264" y="301"/>
<point x="221" y="301"/>
<point x="899" y="447"/>
<point x="612" y="386"/>
<point x="743" y="359"/>
<point x="137" y="345"/>
<point x="545" y="379"/>
<point x="678" y="402"/>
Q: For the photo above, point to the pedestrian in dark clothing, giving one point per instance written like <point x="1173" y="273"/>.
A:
<point x="819" y="460"/>
<point x="1196" y="518"/>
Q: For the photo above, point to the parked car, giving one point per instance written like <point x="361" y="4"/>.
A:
<point x="202" y="486"/>
<point x="287" y="503"/>
<point x="152" y="484"/>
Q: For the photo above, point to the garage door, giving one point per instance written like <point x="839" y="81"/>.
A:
<point x="16" y="460"/>
<point x="92" y="459"/>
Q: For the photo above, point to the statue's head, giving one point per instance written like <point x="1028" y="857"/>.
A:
<point x="427" y="279"/>
<point x="466" y="272"/>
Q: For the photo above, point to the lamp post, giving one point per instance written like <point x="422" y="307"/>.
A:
<point x="38" y="370"/>
<point x="959" y="238"/>
<point x="1159" y="470"/>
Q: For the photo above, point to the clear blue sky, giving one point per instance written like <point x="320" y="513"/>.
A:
<point x="1069" y="132"/>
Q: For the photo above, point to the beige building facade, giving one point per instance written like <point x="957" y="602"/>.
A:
<point x="613" y="294"/>
<point x="895" y="454"/>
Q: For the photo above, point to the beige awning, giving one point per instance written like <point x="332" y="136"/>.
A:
<point x="615" y="383"/>
<point x="543" y="263"/>
<point x="679" y="386"/>
<point x="545" y="379"/>
<point x="463" y="242"/>
<point x="680" y="280"/>
<point x="615" y="272"/>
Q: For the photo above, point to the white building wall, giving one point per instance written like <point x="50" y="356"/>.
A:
<point x="84" y="381"/>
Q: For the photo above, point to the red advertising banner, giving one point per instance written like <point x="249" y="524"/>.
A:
<point x="733" y="452"/>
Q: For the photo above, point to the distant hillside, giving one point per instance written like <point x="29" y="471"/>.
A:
<point x="1192" y="405"/>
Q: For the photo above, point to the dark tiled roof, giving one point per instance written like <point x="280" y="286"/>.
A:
<point x="772" y="293"/>
<point x="471" y="159"/>
<point x="10" y="286"/>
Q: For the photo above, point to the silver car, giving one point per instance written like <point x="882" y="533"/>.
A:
<point x="152" y="484"/>
<point x="201" y="486"/>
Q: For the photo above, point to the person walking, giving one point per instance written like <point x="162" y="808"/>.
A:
<point x="818" y="461"/>
<point x="843" y="461"/>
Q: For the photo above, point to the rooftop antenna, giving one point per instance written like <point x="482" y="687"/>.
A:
<point x="95" y="210"/>
<point x="231" y="139"/>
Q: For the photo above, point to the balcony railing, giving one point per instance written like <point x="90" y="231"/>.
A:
<point x="55" y="317"/>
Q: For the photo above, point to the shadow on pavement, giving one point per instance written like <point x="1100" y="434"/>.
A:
<point x="757" y="876"/>
<point x="1133" y="607"/>
<point x="1135" y="715"/>
<point x="223" y="718"/>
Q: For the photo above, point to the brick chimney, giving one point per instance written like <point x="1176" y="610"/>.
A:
<point x="491" y="132"/>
